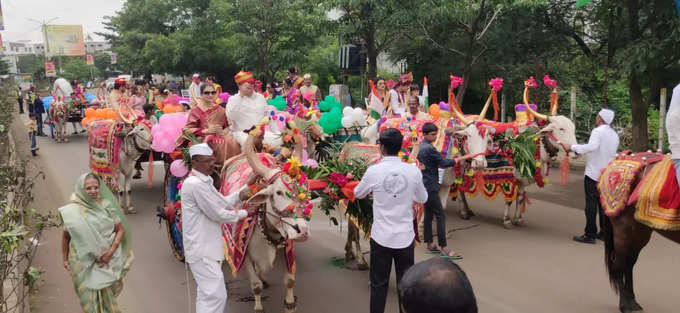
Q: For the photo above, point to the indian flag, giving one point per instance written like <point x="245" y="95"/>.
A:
<point x="424" y="98"/>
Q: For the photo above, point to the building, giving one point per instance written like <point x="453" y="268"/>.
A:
<point x="12" y="50"/>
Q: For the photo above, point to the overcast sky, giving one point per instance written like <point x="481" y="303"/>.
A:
<point x="89" y="13"/>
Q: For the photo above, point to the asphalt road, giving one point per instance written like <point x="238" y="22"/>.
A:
<point x="535" y="268"/>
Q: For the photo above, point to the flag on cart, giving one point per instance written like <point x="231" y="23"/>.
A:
<point x="424" y="98"/>
<point x="580" y="3"/>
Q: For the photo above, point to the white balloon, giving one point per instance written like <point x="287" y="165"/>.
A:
<point x="347" y="111"/>
<point x="362" y="121"/>
<point x="357" y="114"/>
<point x="347" y="121"/>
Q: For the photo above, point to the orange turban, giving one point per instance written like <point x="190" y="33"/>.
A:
<point x="243" y="77"/>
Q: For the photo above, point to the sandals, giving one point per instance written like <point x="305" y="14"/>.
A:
<point x="446" y="253"/>
<point x="433" y="249"/>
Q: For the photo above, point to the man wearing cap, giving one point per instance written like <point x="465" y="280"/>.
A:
<point x="600" y="149"/>
<point x="246" y="109"/>
<point x="117" y="95"/>
<point x="307" y="87"/>
<point x="194" y="90"/>
<point x="204" y="209"/>
<point x="399" y="95"/>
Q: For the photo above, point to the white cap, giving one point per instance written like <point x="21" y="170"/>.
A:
<point x="196" y="75"/>
<point x="607" y="115"/>
<point x="200" y="149"/>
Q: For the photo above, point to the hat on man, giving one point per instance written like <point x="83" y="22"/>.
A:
<point x="119" y="81"/>
<point x="307" y="76"/>
<point x="607" y="116"/>
<point x="196" y="75"/>
<point x="244" y="77"/>
<point x="200" y="149"/>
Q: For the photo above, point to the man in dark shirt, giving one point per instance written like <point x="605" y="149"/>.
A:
<point x="38" y="110"/>
<point x="430" y="161"/>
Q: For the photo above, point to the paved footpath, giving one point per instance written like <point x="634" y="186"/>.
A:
<point x="536" y="268"/>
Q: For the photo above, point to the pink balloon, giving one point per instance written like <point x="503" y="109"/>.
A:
<point x="178" y="168"/>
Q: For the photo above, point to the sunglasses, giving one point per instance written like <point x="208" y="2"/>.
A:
<point x="210" y="92"/>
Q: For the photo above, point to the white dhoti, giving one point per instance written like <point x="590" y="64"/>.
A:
<point x="211" y="293"/>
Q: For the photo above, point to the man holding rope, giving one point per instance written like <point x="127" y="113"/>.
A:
<point x="203" y="210"/>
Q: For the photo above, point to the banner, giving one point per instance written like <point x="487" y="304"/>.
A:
<point x="50" y="70"/>
<point x="114" y="59"/>
<point x="2" y="18"/>
<point x="64" y="40"/>
<point x="90" y="59"/>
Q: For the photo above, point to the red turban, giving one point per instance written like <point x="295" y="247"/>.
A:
<point x="119" y="81"/>
<point x="244" y="77"/>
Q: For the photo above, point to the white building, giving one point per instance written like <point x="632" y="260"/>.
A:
<point x="11" y="50"/>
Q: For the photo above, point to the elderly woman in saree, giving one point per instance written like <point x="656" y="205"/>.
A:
<point x="96" y="245"/>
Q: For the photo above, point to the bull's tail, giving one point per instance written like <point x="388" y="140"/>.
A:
<point x="614" y="270"/>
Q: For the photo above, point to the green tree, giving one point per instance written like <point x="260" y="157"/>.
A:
<point x="4" y="67"/>
<point x="77" y="69"/>
<point x="30" y="64"/>
<point x="102" y="61"/>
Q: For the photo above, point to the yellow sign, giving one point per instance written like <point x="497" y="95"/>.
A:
<point x="64" y="40"/>
<point x="50" y="70"/>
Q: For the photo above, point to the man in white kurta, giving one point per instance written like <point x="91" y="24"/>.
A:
<point x="246" y="109"/>
<point x="203" y="210"/>
<point x="195" y="90"/>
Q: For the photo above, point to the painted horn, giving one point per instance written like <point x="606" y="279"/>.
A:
<point x="254" y="162"/>
<point x="554" y="98"/>
<point x="460" y="116"/>
<point x="526" y="103"/>
<point x="486" y="107"/>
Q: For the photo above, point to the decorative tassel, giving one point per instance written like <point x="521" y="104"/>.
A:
<point x="553" y="102"/>
<point x="494" y="98"/>
<point x="479" y="180"/>
<point x="564" y="170"/>
<point x="150" y="170"/>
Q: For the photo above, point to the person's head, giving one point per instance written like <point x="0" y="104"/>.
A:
<point x="31" y="115"/>
<point x="415" y="89"/>
<point x="292" y="71"/>
<point x="307" y="79"/>
<point x="436" y="286"/>
<point x="606" y="116"/>
<point x="166" y="92"/>
<point x="245" y="82"/>
<point x="196" y="78"/>
<point x="208" y="93"/>
<point x="91" y="186"/>
<point x="148" y="109"/>
<point x="186" y="107"/>
<point x="139" y="90"/>
<point x="380" y="83"/>
<point x="390" y="141"/>
<point x="270" y="88"/>
<point x="202" y="158"/>
<point x="429" y="131"/>
<point x="288" y="83"/>
<point x="413" y="104"/>
<point x="209" y="80"/>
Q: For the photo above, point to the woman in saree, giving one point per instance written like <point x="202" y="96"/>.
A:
<point x="96" y="245"/>
<point x="208" y="123"/>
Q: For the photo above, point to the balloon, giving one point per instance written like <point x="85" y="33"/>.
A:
<point x="347" y="122"/>
<point x="178" y="168"/>
<point x="357" y="114"/>
<point x="89" y="112"/>
<point x="347" y="111"/>
<point x="279" y="103"/>
<point x="444" y="115"/>
<point x="443" y="106"/>
<point x="434" y="111"/>
<point x="224" y="97"/>
<point x="90" y="97"/>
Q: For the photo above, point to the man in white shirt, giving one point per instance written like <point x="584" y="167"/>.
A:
<point x="600" y="149"/>
<point x="195" y="90"/>
<point x="395" y="186"/>
<point x="308" y="87"/>
<point x="673" y="129"/>
<point x="203" y="210"/>
<point x="246" y="109"/>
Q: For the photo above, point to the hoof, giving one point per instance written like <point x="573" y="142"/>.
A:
<point x="463" y="215"/>
<point x="131" y="210"/>
<point x="518" y="222"/>
<point x="265" y="285"/>
<point x="630" y="306"/>
<point x="507" y="224"/>
<point x="259" y="311"/>
<point x="363" y="266"/>
<point x="290" y="307"/>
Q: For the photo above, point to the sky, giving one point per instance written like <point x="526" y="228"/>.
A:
<point x="17" y="16"/>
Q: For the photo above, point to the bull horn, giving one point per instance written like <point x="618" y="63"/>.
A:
<point x="486" y="107"/>
<point x="554" y="102"/>
<point x="254" y="162"/>
<point x="460" y="116"/>
<point x="534" y="113"/>
<point x="297" y="149"/>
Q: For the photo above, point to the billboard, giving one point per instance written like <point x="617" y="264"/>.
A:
<point x="90" y="59"/>
<point x="2" y="19"/>
<point x="114" y="59"/>
<point x="50" y="70"/>
<point x="64" y="40"/>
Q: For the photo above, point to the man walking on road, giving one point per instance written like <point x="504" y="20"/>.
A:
<point x="600" y="149"/>
<point x="203" y="210"/>
<point x="20" y="100"/>
<point x="395" y="186"/>
<point x="38" y="110"/>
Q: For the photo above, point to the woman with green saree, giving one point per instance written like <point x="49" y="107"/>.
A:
<point x="96" y="246"/>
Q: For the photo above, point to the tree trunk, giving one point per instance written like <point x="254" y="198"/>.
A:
<point x="640" y="138"/>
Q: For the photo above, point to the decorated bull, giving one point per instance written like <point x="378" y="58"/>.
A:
<point x="284" y="210"/>
<point x="59" y="113"/>
<point x="550" y="132"/>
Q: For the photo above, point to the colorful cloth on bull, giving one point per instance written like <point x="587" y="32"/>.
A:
<point x="617" y="178"/>
<point x="104" y="148"/>
<point x="236" y="238"/>
<point x="659" y="197"/>
<point x="490" y="182"/>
